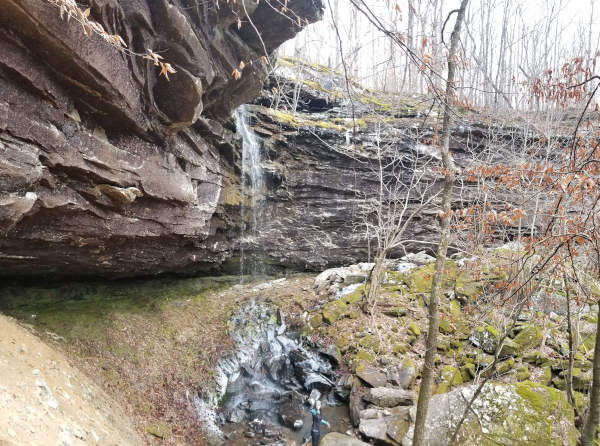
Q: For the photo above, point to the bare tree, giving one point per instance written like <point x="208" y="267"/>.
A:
<point x="440" y="261"/>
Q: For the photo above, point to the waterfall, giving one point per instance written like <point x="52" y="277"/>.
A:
<point x="252" y="192"/>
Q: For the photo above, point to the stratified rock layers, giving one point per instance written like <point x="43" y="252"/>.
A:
<point x="107" y="168"/>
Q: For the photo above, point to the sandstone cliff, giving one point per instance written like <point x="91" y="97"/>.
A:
<point x="107" y="168"/>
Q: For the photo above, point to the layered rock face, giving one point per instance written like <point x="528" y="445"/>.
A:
<point x="322" y="156"/>
<point x="107" y="168"/>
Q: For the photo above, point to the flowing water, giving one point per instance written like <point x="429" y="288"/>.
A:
<point x="263" y="388"/>
<point x="253" y="194"/>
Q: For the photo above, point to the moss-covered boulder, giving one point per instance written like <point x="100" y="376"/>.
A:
<point x="512" y="414"/>
<point x="419" y="280"/>
<point x="529" y="337"/>
<point x="486" y="338"/>
<point x="523" y="372"/>
<point x="467" y="288"/>
<point x="446" y="327"/>
<point x="450" y="377"/>
<point x="333" y="311"/>
<point x="414" y="329"/>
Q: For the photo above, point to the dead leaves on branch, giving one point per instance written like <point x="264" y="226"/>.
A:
<point x="70" y="10"/>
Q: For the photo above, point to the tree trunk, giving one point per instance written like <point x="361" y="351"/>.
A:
<point x="591" y="424"/>
<point x="375" y="282"/>
<point x="440" y="261"/>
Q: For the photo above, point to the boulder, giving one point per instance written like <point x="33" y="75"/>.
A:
<point x="486" y="338"/>
<point x="332" y="353"/>
<point x="531" y="413"/>
<point x="376" y="429"/>
<point x="420" y="258"/>
<point x="332" y="280"/>
<point x="402" y="375"/>
<point x="373" y="376"/>
<point x="356" y="403"/>
<point x="389" y="396"/>
<point x="337" y="439"/>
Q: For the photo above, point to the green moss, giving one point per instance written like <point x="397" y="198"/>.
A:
<point x="414" y="329"/>
<point x="400" y="349"/>
<point x="363" y="358"/>
<point x="446" y="327"/>
<point x="333" y="311"/>
<point x="370" y="342"/>
<point x="523" y="372"/>
<point x="450" y="377"/>
<point x="468" y="371"/>
<point x="316" y="321"/>
<point x="455" y="309"/>
<point x="505" y="366"/>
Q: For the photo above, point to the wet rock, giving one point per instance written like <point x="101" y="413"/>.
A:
<point x="291" y="411"/>
<point x="377" y="428"/>
<point x="389" y="396"/>
<point x="332" y="353"/>
<point x="316" y="381"/>
<point x="337" y="439"/>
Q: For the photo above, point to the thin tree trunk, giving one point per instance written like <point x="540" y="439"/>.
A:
<point x="440" y="261"/>
<point x="591" y="423"/>
<point x="569" y="383"/>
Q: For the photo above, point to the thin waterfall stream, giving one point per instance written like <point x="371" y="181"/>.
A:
<point x="253" y="194"/>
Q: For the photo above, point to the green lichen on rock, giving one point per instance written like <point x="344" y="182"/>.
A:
<point x="517" y="414"/>
<point x="529" y="337"/>
<point x="523" y="372"/>
<point x="414" y="329"/>
<point x="450" y="377"/>
<point x="333" y="311"/>
<point x="486" y="338"/>
<point x="467" y="287"/>
<point x="446" y="327"/>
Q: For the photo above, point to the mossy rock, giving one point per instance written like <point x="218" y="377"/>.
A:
<point x="523" y="372"/>
<point x="363" y="357"/>
<point x="582" y="381"/>
<point x="536" y="358"/>
<point x="370" y="342"/>
<point x="334" y="311"/>
<point x="522" y="414"/>
<point x="443" y="346"/>
<point x="455" y="308"/>
<point x="505" y="366"/>
<point x="316" y="321"/>
<point x="400" y="349"/>
<point x="468" y="371"/>
<point x="446" y="327"/>
<point x="354" y="297"/>
<point x="419" y="280"/>
<point x="342" y="342"/>
<point x="414" y="329"/>
<point x="450" y="377"/>
<point x="486" y="338"/>
<point x="546" y="378"/>
<point x="529" y="337"/>
<point x="466" y="287"/>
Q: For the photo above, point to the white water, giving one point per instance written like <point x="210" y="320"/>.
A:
<point x="253" y="184"/>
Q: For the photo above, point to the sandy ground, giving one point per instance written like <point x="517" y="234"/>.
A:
<point x="45" y="401"/>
